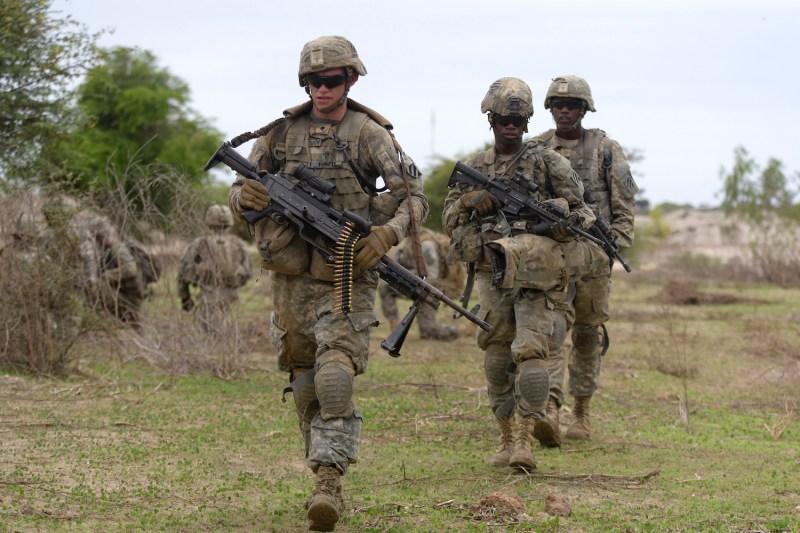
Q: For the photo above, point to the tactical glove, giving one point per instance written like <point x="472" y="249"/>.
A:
<point x="560" y="231"/>
<point x="374" y="246"/>
<point x="187" y="304"/>
<point x="557" y="205"/>
<point x="253" y="196"/>
<point x="481" y="201"/>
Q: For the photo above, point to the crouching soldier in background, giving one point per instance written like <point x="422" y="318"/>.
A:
<point x="119" y="288"/>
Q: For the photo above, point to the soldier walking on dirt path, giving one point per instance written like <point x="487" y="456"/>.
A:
<point x="609" y="189"/>
<point x="219" y="265"/>
<point x="322" y="347"/>
<point x="529" y="325"/>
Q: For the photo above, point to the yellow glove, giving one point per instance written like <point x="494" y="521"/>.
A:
<point x="253" y="195"/>
<point x="372" y="247"/>
<point x="480" y="201"/>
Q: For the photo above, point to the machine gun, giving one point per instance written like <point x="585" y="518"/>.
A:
<point x="306" y="205"/>
<point x="517" y="203"/>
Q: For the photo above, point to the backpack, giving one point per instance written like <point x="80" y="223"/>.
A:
<point x="148" y="265"/>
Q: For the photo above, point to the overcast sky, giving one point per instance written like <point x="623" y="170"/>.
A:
<point x="684" y="82"/>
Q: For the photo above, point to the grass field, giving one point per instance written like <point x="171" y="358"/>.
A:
<point x="694" y="430"/>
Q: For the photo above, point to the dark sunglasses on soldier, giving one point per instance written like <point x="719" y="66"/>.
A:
<point x="569" y="103"/>
<point x="505" y="120"/>
<point x="330" y="82"/>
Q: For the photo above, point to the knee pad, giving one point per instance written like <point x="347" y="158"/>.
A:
<point x="334" y="387"/>
<point x="586" y="339"/>
<point x="496" y="366"/>
<point x="532" y="387"/>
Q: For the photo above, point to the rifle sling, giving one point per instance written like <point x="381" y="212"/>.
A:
<point x="300" y="383"/>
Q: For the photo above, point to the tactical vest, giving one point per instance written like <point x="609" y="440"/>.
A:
<point x="591" y="159"/>
<point x="324" y="148"/>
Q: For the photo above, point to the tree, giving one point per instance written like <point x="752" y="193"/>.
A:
<point x="40" y="56"/>
<point x="758" y="196"/>
<point x="436" y="191"/>
<point x="135" y="116"/>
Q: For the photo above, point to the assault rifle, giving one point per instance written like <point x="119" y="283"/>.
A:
<point x="602" y="230"/>
<point x="517" y="203"/>
<point x="306" y="205"/>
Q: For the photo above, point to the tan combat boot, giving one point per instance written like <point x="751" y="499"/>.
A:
<point x="522" y="458"/>
<point x="580" y="429"/>
<point x="503" y="455"/>
<point x="548" y="431"/>
<point x="326" y="505"/>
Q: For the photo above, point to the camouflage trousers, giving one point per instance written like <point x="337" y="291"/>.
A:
<point x="120" y="302"/>
<point x="308" y="333"/>
<point x="585" y="316"/>
<point x="214" y="306"/>
<point x="529" y="325"/>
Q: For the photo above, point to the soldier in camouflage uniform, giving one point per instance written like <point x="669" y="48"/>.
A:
<point x="609" y="189"/>
<point x="119" y="287"/>
<point x="110" y="278"/>
<point x="529" y="325"/>
<point x="218" y="264"/>
<point x="449" y="278"/>
<point x="349" y="145"/>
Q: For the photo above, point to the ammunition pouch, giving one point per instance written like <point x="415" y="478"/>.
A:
<point x="281" y="248"/>
<point x="538" y="262"/>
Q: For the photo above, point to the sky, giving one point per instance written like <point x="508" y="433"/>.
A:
<point x="683" y="82"/>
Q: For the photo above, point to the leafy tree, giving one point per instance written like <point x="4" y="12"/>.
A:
<point x="436" y="191"/>
<point x="135" y="115"/>
<point x="757" y="195"/>
<point x="41" y="54"/>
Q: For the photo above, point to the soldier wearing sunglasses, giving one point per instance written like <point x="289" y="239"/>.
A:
<point x="609" y="190"/>
<point x="529" y="324"/>
<point x="348" y="145"/>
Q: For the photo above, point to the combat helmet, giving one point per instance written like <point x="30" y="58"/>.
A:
<point x="219" y="216"/>
<point x="330" y="51"/>
<point x="58" y="208"/>
<point x="510" y="97"/>
<point x="570" y="87"/>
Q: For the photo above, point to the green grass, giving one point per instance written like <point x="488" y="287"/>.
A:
<point x="131" y="446"/>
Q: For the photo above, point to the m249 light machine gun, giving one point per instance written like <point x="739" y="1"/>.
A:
<point x="306" y="205"/>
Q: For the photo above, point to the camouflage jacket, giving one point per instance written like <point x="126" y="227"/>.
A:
<point x="606" y="175"/>
<point x="214" y="262"/>
<point x="328" y="148"/>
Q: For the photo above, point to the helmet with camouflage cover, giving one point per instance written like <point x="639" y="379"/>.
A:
<point x="98" y="225"/>
<point x="58" y="208"/>
<point x="570" y="87"/>
<point x="219" y="216"/>
<point x="509" y="97"/>
<point x="330" y="51"/>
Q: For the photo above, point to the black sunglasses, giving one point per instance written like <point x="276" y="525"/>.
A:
<point x="505" y="120"/>
<point x="570" y="103"/>
<point x="330" y="82"/>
